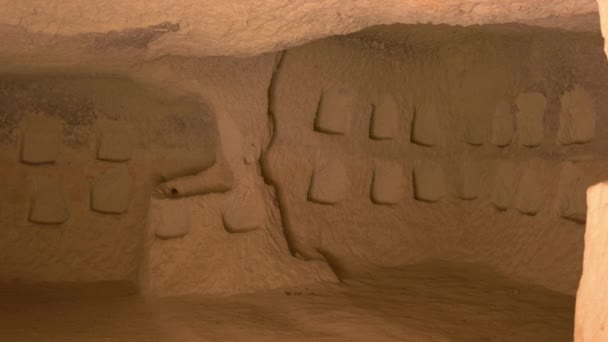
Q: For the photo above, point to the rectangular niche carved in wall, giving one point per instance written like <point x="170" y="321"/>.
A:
<point x="114" y="142"/>
<point x="388" y="183"/>
<point x="576" y="118"/>
<point x="502" y="124"/>
<point x="425" y="127"/>
<point x="245" y="212"/>
<point x="334" y="111"/>
<point x="169" y="218"/>
<point x="40" y="139"/>
<point x="530" y="118"/>
<point x="385" y="119"/>
<point x="429" y="181"/>
<point x="111" y="193"/>
<point x="530" y="191"/>
<point x="48" y="203"/>
<point x="505" y="182"/>
<point x="468" y="180"/>
<point x="329" y="182"/>
<point x="572" y="190"/>
<point x="475" y="128"/>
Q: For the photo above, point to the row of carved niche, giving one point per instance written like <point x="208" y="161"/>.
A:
<point x="110" y="193"/>
<point x="41" y="136"/>
<point x="513" y="186"/>
<point x="577" y="119"/>
<point x="174" y="206"/>
<point x="243" y="211"/>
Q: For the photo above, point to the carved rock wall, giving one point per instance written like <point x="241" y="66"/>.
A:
<point x="497" y="189"/>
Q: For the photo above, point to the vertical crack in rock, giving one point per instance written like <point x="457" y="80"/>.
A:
<point x="278" y="63"/>
<point x="266" y="174"/>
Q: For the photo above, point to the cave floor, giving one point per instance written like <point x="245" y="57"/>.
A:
<point x="432" y="302"/>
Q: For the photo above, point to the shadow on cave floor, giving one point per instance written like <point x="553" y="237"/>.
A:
<point x="436" y="301"/>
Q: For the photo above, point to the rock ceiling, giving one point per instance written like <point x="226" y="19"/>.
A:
<point x="241" y="28"/>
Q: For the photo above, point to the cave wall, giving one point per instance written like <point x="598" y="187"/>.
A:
<point x="97" y="209"/>
<point x="386" y="147"/>
<point x="248" y="28"/>
<point x="234" y="240"/>
<point x="393" y="146"/>
<point x="80" y="155"/>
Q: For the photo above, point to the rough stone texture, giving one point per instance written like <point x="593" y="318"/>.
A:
<point x="114" y="141"/>
<point x="389" y="183"/>
<point x="530" y="118"/>
<point x="502" y="124"/>
<point x="592" y="298"/>
<point x="577" y="117"/>
<point x="112" y="192"/>
<point x="245" y="28"/>
<point x="385" y="118"/>
<point x="336" y="107"/>
<point x="48" y="203"/>
<point x="40" y="139"/>
<point x="429" y="181"/>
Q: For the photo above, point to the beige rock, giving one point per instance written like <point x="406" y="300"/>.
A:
<point x="592" y="298"/>
<point x="577" y="117"/>
<point x="208" y="27"/>
<point x="530" y="118"/>
<point x="48" y="205"/>
<point x="603" y="12"/>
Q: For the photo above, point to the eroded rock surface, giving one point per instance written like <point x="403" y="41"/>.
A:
<point x="183" y="27"/>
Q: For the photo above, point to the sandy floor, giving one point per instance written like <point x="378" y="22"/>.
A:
<point x="432" y="302"/>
